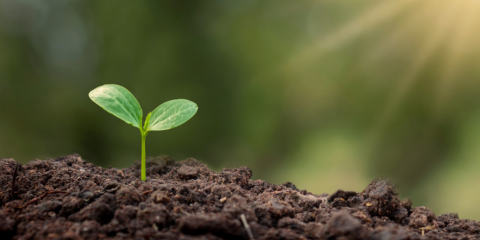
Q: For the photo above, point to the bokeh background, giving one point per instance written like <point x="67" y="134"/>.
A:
<point x="326" y="94"/>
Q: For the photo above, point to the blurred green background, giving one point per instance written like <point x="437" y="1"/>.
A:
<point x="326" y="94"/>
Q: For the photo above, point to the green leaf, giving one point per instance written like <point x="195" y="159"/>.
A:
<point x="118" y="101"/>
<point x="171" y="114"/>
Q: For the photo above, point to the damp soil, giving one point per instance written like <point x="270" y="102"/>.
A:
<point x="69" y="198"/>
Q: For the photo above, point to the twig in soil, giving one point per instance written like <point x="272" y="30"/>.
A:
<point x="426" y="228"/>
<point x="189" y="197"/>
<point x="41" y="196"/>
<point x="13" y="182"/>
<point x="247" y="227"/>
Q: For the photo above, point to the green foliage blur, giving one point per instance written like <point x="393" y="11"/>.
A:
<point x="326" y="94"/>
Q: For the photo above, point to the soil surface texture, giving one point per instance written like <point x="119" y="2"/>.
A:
<point x="68" y="198"/>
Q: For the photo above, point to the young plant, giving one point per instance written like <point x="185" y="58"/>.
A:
<point x="118" y="101"/>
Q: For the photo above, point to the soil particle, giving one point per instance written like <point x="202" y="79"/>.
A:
<point x="160" y="197"/>
<point x="342" y="195"/>
<point x="97" y="211"/>
<point x="68" y="198"/>
<point x="128" y="196"/>
<point x="49" y="206"/>
<point x="293" y="224"/>
<point x="71" y="205"/>
<point x="342" y="224"/>
<point x="187" y="172"/>
<point x="381" y="198"/>
<point x="217" y="224"/>
<point x="314" y="230"/>
<point x="421" y="217"/>
<point x="111" y="187"/>
<point x="7" y="225"/>
<point x="291" y="186"/>
<point x="392" y="232"/>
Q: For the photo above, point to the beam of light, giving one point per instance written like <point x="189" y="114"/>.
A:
<point x="367" y="20"/>
<point x="461" y="41"/>
<point x="438" y="33"/>
<point x="394" y="37"/>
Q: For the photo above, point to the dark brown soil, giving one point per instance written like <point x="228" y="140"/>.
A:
<point x="68" y="198"/>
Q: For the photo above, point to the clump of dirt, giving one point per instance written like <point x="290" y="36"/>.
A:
<point x="68" y="198"/>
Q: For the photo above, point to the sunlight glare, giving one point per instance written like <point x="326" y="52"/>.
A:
<point x="442" y="23"/>
<point x="462" y="40"/>
<point x="369" y="19"/>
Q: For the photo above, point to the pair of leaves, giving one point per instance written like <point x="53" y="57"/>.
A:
<point x="120" y="102"/>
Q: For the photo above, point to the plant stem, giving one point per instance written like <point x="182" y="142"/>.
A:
<point x="143" y="170"/>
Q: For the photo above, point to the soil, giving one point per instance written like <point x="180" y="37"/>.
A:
<point x="68" y="198"/>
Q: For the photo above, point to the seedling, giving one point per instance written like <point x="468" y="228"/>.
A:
<point x="120" y="102"/>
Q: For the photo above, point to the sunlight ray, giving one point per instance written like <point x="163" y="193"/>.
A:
<point x="395" y="36"/>
<point x="367" y="20"/>
<point x="458" y="47"/>
<point x="427" y="49"/>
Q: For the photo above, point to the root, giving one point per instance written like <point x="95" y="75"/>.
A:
<point x="13" y="182"/>
<point x="41" y="196"/>
<point x="247" y="227"/>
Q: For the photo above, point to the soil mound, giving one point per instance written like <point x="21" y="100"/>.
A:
<point x="68" y="198"/>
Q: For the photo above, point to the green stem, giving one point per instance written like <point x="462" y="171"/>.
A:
<point x="144" y="170"/>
